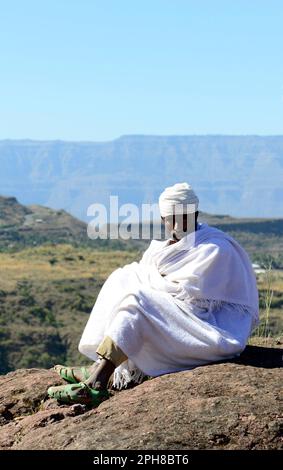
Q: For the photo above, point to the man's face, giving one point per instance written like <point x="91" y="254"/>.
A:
<point x="176" y="225"/>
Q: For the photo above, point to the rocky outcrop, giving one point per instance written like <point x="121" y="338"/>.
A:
<point x="232" y="405"/>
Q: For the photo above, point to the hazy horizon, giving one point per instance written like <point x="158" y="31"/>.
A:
<point x="28" y="139"/>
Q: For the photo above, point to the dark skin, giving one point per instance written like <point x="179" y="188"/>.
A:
<point x="101" y="372"/>
<point x="185" y="225"/>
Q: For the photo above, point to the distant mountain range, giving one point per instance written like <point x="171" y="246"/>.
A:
<point x="237" y="175"/>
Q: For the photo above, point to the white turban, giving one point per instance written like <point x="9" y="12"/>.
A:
<point x="178" y="199"/>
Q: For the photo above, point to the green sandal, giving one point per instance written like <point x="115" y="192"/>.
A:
<point x="67" y="373"/>
<point x="78" y="393"/>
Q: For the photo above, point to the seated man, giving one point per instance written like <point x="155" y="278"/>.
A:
<point x="191" y="300"/>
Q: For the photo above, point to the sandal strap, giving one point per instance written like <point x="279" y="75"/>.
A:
<point x="67" y="373"/>
<point x="94" y="392"/>
<point x="85" y="372"/>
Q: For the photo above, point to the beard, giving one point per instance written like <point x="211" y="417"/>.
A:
<point x="178" y="234"/>
<point x="174" y="236"/>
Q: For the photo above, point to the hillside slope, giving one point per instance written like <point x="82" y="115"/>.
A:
<point x="22" y="226"/>
<point x="35" y="224"/>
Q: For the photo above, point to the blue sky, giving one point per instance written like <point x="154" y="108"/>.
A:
<point x="95" y="70"/>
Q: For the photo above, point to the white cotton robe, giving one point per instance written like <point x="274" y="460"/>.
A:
<point x="183" y="305"/>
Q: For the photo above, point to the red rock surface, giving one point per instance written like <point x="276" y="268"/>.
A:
<point x="233" y="405"/>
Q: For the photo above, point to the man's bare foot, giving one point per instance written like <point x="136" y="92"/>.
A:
<point x="101" y="374"/>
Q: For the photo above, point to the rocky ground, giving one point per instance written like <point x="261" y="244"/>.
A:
<point x="232" y="405"/>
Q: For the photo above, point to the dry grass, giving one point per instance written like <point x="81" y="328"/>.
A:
<point x="270" y="286"/>
<point x="273" y="277"/>
<point x="60" y="262"/>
